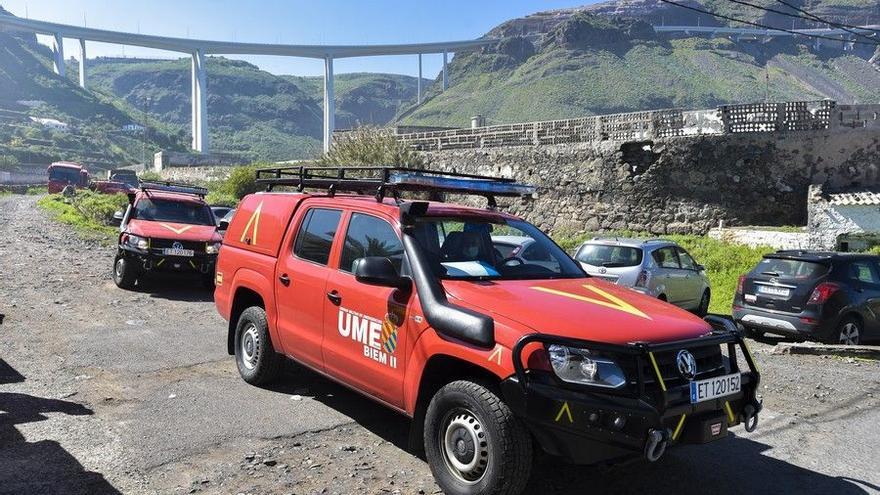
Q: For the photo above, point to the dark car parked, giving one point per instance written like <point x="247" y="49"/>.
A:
<point x="823" y="296"/>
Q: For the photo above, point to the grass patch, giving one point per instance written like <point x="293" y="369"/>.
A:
<point x="724" y="261"/>
<point x="87" y="212"/>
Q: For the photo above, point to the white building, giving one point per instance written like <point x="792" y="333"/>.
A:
<point x="847" y="220"/>
<point x="51" y="123"/>
<point x="132" y="128"/>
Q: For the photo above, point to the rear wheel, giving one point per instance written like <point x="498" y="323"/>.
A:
<point x="124" y="273"/>
<point x="257" y="361"/>
<point x="473" y="442"/>
<point x="849" y="332"/>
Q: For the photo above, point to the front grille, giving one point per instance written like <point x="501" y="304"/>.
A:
<point x="710" y="362"/>
<point x="160" y="244"/>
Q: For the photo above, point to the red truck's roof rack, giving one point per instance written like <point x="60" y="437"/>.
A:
<point x="381" y="181"/>
<point x="174" y="187"/>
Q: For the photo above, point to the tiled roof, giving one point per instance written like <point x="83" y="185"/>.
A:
<point x="854" y="198"/>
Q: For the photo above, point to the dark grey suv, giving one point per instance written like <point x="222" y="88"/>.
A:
<point x="824" y="296"/>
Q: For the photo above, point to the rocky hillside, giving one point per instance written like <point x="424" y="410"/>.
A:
<point x="606" y="58"/>
<point x="251" y="111"/>
<point x="44" y="117"/>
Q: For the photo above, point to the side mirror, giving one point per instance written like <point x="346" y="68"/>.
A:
<point x="700" y="268"/>
<point x="378" y="270"/>
<point x="118" y="215"/>
<point x="223" y="225"/>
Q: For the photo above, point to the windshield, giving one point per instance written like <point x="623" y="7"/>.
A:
<point x="478" y="249"/>
<point x="164" y="210"/>
<point x="64" y="174"/>
<point x="130" y="179"/>
<point x="790" y="268"/>
<point x="609" y="256"/>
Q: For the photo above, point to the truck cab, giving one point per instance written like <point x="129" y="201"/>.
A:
<point x="119" y="181"/>
<point x="166" y="228"/>
<point x="63" y="174"/>
<point x="412" y="304"/>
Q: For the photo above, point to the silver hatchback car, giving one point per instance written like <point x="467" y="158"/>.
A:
<point x="656" y="267"/>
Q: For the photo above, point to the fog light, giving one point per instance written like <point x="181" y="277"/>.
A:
<point x="593" y="417"/>
<point x="618" y="422"/>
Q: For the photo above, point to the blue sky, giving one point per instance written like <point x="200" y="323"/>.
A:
<point x="291" y="21"/>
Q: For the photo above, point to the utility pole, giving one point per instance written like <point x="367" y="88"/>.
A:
<point x="147" y="102"/>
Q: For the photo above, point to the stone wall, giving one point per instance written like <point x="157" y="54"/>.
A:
<point x="758" y="237"/>
<point x="677" y="185"/>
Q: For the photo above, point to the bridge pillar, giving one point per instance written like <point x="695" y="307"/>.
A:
<point x="82" y="63"/>
<point x="329" y="104"/>
<point x="445" y="72"/>
<point x="199" y="102"/>
<point x="58" y="52"/>
<point x="419" y="82"/>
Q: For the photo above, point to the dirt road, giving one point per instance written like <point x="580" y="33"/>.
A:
<point x="107" y="391"/>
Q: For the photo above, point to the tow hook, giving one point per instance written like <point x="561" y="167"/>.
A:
<point x="750" y="418"/>
<point x="656" y="444"/>
<point x="204" y="268"/>
<point x="148" y="265"/>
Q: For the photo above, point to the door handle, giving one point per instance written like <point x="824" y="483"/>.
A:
<point x="334" y="297"/>
<point x="284" y="279"/>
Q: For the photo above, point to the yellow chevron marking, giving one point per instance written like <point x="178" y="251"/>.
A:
<point x="610" y="300"/>
<point x="496" y="355"/>
<point x="678" y="428"/>
<point x="564" y="409"/>
<point x="175" y="230"/>
<point x="657" y="371"/>
<point x="255" y="221"/>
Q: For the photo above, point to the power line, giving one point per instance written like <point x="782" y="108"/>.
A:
<point x="764" y="26"/>
<point x="808" y="17"/>
<point x="839" y="25"/>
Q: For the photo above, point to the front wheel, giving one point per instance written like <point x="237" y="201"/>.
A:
<point x="257" y="361"/>
<point x="473" y="442"/>
<point x="124" y="273"/>
<point x="703" y="308"/>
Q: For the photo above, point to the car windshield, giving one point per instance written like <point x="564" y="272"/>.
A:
<point x="468" y="248"/>
<point x="64" y="174"/>
<point x="790" y="268"/>
<point x="609" y="256"/>
<point x="164" y="210"/>
<point x="128" y="179"/>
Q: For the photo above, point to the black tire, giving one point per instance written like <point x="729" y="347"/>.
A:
<point x="257" y="361"/>
<point x="487" y="429"/>
<point x="750" y="331"/>
<point x="849" y="331"/>
<point x="703" y="308"/>
<point x="125" y="273"/>
<point x="662" y="297"/>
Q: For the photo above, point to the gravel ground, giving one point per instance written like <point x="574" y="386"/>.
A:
<point x="107" y="391"/>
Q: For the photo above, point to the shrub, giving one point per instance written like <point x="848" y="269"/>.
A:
<point x="86" y="211"/>
<point x="150" y="175"/>
<point x="8" y="162"/>
<point x="371" y="146"/>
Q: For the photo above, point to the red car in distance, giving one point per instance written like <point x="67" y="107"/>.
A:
<point x="63" y="174"/>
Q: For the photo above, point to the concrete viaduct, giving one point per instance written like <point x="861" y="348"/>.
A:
<point x="845" y="36"/>
<point x="198" y="49"/>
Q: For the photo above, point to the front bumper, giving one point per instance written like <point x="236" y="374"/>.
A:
<point x="149" y="261"/>
<point x="586" y="425"/>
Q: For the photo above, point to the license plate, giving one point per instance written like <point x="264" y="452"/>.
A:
<point x="712" y="388"/>
<point x="773" y="291"/>
<point x="178" y="252"/>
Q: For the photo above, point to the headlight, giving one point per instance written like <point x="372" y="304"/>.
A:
<point x="138" y="242"/>
<point x="212" y="248"/>
<point x="575" y="365"/>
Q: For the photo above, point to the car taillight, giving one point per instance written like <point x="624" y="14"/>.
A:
<point x="740" y="283"/>
<point x="642" y="281"/>
<point x="823" y="292"/>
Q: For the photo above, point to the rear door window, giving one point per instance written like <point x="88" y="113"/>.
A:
<point x="863" y="271"/>
<point x="316" y="233"/>
<point x="666" y="257"/>
<point x="370" y="236"/>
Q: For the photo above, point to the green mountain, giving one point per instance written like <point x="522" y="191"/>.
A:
<point x="88" y="127"/>
<point x="576" y="62"/>
<point x="251" y="111"/>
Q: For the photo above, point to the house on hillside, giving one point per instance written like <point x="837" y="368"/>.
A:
<point x="843" y="220"/>
<point x="132" y="128"/>
<point x="51" y="123"/>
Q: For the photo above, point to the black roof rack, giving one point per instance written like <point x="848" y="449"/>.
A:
<point x="381" y="181"/>
<point x="174" y="187"/>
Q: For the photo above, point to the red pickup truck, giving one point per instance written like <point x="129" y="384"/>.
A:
<point x="410" y="303"/>
<point x="62" y="174"/>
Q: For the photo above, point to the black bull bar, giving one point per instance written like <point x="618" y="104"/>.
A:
<point x="661" y="410"/>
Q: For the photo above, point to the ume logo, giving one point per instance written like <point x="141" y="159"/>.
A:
<point x="376" y="336"/>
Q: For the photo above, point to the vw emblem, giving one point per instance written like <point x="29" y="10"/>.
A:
<point x="686" y="364"/>
<point x="603" y="270"/>
<point x="177" y="245"/>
